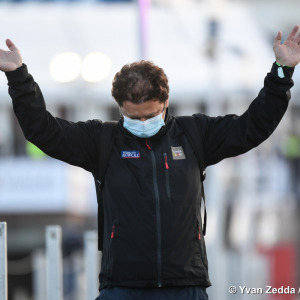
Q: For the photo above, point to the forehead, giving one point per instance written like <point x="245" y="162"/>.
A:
<point x="142" y="109"/>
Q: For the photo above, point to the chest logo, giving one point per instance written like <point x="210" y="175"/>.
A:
<point x="177" y="153"/>
<point x="130" y="154"/>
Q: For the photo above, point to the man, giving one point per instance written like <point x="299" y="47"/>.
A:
<point x="153" y="244"/>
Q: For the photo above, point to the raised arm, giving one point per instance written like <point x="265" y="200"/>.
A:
<point x="74" y="143"/>
<point x="232" y="135"/>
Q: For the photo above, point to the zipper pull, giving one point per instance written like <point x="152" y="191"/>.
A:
<point x="166" y="161"/>
<point x="149" y="148"/>
<point x="113" y="232"/>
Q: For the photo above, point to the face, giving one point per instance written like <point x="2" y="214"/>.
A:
<point x="144" y="111"/>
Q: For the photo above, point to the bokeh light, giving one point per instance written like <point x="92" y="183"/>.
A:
<point x="65" y="67"/>
<point x="96" y="66"/>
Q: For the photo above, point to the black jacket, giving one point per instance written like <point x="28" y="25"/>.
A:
<point x="151" y="195"/>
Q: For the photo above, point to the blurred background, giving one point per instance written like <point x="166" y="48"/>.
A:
<point x="216" y="54"/>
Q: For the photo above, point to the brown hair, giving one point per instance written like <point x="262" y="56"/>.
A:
<point x="140" y="82"/>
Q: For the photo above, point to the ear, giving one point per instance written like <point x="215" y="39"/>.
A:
<point x="167" y="103"/>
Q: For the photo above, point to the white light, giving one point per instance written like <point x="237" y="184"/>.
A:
<point x="65" y="67"/>
<point x="96" y="66"/>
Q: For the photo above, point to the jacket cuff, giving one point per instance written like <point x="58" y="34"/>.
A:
<point x="287" y="71"/>
<point x="17" y="75"/>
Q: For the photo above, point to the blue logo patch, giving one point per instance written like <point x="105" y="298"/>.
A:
<point x="130" y="154"/>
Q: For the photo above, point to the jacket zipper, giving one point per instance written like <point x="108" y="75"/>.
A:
<point x="158" y="220"/>
<point x="112" y="236"/>
<point x="199" y="231"/>
<point x="167" y="174"/>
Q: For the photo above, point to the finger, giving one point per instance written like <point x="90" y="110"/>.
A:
<point x="11" y="46"/>
<point x="293" y="33"/>
<point x="277" y="39"/>
<point x="297" y="39"/>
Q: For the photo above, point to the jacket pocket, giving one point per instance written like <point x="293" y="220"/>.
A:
<point x="167" y="175"/>
<point x="112" y="237"/>
<point x="198" y="230"/>
<point x="200" y="238"/>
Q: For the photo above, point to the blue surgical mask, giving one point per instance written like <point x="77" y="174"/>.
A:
<point x="144" y="129"/>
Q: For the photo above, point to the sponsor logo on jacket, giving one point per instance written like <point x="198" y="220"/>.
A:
<point x="130" y="154"/>
<point x="177" y="153"/>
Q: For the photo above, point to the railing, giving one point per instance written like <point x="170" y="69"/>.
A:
<point x="48" y="265"/>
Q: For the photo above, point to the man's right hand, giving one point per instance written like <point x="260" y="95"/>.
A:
<point x="10" y="60"/>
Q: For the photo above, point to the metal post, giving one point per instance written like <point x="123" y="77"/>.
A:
<point x="54" y="263"/>
<point x="79" y="283"/>
<point x="91" y="263"/>
<point x="39" y="274"/>
<point x="3" y="261"/>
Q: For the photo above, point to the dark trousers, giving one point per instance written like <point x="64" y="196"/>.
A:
<point x="166" y="293"/>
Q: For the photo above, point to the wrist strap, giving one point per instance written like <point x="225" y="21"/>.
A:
<point x="280" y="72"/>
<point x="279" y="65"/>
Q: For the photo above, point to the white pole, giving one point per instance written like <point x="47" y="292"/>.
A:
<point x="39" y="275"/>
<point x="3" y="261"/>
<point x="77" y="268"/>
<point x="91" y="263"/>
<point x="54" y="263"/>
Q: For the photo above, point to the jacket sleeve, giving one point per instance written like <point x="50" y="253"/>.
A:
<point x="232" y="135"/>
<point x="74" y="143"/>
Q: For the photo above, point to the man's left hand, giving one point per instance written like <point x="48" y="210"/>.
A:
<point x="288" y="53"/>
